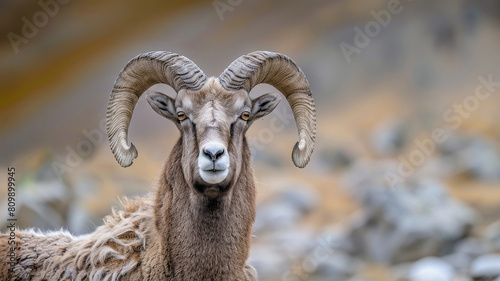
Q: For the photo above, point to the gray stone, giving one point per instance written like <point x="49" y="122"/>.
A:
<point x="461" y="277"/>
<point x="268" y="262"/>
<point x="389" y="137"/>
<point x="337" y="266"/>
<point x="476" y="156"/>
<point x="472" y="247"/>
<point x="460" y="261"/>
<point x="465" y="252"/>
<point x="431" y="269"/>
<point x="492" y="235"/>
<point x="337" y="239"/>
<point x="285" y="209"/>
<point x="303" y="198"/>
<point x="400" y="271"/>
<point x="358" y="278"/>
<point x="292" y="243"/>
<point x="487" y="266"/>
<point x="297" y="253"/>
<point x="289" y="252"/>
<point x="482" y="159"/>
<point x="414" y="219"/>
<point x="337" y="158"/>
<point x="275" y="216"/>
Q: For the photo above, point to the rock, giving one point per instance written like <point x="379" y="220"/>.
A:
<point x="389" y="137"/>
<point x="438" y="166"/>
<point x="482" y="159"/>
<point x="289" y="253"/>
<point x="302" y="198"/>
<point x="400" y="271"/>
<point x="296" y="253"/>
<point x="336" y="266"/>
<point x="337" y="239"/>
<point x="337" y="158"/>
<point x="292" y="243"/>
<point x="418" y="218"/>
<point x="465" y="252"/>
<point x="358" y="278"/>
<point x="487" y="266"/>
<point x="275" y="216"/>
<point x="461" y="277"/>
<point x="492" y="235"/>
<point x="460" y="261"/>
<point x="475" y="156"/>
<point x="431" y="269"/>
<point x="285" y="209"/>
<point x="472" y="247"/>
<point x="268" y="262"/>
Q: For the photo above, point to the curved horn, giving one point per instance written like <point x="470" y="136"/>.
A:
<point x="279" y="71"/>
<point x="137" y="76"/>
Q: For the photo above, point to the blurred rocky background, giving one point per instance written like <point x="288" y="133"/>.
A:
<point x="404" y="183"/>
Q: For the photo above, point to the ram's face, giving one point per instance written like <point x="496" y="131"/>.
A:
<point x="213" y="122"/>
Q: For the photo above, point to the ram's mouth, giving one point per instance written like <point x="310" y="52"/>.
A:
<point x="214" y="170"/>
<point x="213" y="175"/>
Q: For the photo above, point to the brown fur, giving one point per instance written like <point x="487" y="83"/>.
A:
<point x="173" y="233"/>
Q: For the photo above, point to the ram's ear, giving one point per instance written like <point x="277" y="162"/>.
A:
<point x="264" y="105"/>
<point x="163" y="105"/>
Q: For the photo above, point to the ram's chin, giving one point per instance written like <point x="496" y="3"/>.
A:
<point x="214" y="177"/>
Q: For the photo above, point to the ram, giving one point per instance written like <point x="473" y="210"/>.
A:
<point x="196" y="224"/>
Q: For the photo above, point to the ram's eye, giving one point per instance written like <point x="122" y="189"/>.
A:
<point x="245" y="115"/>
<point x="181" y="116"/>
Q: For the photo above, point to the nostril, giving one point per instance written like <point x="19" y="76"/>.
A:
<point x="219" y="153"/>
<point x="213" y="153"/>
<point x="207" y="153"/>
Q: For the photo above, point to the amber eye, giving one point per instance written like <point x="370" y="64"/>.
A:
<point x="181" y="115"/>
<point x="245" y="115"/>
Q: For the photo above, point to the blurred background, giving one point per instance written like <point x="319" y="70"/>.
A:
<point x="404" y="183"/>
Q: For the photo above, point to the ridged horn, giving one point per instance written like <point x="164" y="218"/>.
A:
<point x="281" y="72"/>
<point x="137" y="76"/>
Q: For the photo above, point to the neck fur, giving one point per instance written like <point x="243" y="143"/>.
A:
<point x="202" y="238"/>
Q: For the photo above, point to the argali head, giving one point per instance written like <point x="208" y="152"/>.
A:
<point x="212" y="114"/>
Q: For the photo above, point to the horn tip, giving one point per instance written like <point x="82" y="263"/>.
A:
<point x="301" y="155"/>
<point x="126" y="159"/>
